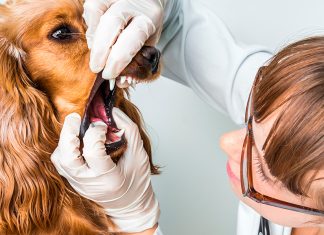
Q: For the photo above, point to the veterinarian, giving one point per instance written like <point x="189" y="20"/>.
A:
<point x="200" y="53"/>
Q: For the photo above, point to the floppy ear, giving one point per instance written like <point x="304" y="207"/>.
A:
<point x="34" y="199"/>
<point x="28" y="134"/>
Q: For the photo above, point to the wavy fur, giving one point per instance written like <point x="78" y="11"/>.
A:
<point x="34" y="199"/>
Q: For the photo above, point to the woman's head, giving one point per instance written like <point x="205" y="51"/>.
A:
<point x="288" y="133"/>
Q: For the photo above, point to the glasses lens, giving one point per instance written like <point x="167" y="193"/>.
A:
<point x="244" y="178"/>
<point x="267" y="189"/>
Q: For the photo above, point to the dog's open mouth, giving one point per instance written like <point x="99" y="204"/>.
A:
<point x="99" y="108"/>
<point x="102" y="96"/>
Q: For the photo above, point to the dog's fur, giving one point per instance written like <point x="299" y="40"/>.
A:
<point x="41" y="81"/>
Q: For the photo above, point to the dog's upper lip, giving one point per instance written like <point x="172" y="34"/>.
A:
<point x="85" y="120"/>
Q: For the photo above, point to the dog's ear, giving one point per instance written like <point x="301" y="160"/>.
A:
<point x="30" y="192"/>
<point x="34" y="199"/>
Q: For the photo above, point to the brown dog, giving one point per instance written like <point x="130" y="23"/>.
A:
<point x="44" y="75"/>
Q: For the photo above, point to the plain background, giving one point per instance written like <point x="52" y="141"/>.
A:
<point x="193" y="189"/>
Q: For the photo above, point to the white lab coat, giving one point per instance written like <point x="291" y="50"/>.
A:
<point x="199" y="52"/>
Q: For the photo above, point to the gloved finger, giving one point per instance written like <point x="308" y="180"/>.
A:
<point x="93" y="10"/>
<point x="123" y="122"/>
<point x="101" y="188"/>
<point x="94" y="150"/>
<point x="67" y="171"/>
<point x="129" y="42"/>
<point x="71" y="125"/>
<point x="135" y="156"/>
<point x="132" y="134"/>
<point x="108" y="30"/>
<point x="69" y="142"/>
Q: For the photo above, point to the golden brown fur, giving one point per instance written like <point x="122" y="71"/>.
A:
<point x="41" y="82"/>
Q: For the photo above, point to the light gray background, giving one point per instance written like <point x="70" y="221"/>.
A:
<point x="193" y="189"/>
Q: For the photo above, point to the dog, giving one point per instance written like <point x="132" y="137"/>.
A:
<point x="44" y="76"/>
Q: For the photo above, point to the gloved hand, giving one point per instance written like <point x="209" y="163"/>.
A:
<point x="118" y="29"/>
<point x="123" y="190"/>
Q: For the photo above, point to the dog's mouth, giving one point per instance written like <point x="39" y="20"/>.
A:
<point x="99" y="108"/>
<point x="102" y="96"/>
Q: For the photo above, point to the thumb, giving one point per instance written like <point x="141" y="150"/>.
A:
<point x="69" y="140"/>
<point x="135" y="157"/>
<point x="135" y="148"/>
<point x="125" y="123"/>
<point x="94" y="150"/>
<point x="71" y="125"/>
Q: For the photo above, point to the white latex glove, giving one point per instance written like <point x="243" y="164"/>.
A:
<point x="123" y="190"/>
<point x="118" y="29"/>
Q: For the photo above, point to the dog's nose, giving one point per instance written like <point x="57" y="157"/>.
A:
<point x="153" y="56"/>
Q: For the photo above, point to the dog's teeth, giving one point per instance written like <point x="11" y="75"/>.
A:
<point x="134" y="83"/>
<point x="129" y="80"/>
<point x="122" y="79"/>
<point x="112" y="83"/>
<point x="120" y="133"/>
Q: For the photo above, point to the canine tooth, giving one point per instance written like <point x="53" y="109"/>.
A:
<point x="120" y="133"/>
<point x="129" y="80"/>
<point x="122" y="79"/>
<point x="112" y="83"/>
<point x="134" y="84"/>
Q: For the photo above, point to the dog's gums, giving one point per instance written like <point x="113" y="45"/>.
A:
<point x="102" y="96"/>
<point x="99" y="108"/>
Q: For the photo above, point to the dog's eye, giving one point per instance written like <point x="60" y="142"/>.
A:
<point x="62" y="33"/>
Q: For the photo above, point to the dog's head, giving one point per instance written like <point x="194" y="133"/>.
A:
<point x="45" y="75"/>
<point x="47" y="38"/>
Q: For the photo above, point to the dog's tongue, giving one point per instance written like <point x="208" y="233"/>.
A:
<point x="97" y="112"/>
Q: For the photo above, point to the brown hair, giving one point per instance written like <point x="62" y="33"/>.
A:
<point x="34" y="198"/>
<point x="294" y="81"/>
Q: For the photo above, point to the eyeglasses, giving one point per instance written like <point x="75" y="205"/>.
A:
<point x="246" y="167"/>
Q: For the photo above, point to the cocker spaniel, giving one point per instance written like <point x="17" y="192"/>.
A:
<point x="45" y="75"/>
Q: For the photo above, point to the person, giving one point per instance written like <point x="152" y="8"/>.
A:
<point x="275" y="165"/>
